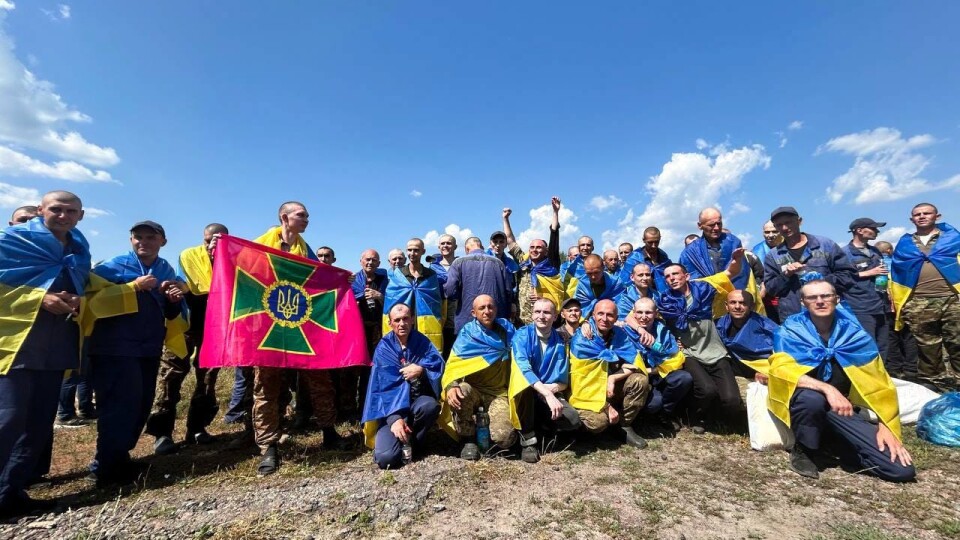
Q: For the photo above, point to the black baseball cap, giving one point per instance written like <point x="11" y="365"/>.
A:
<point x="153" y="225"/>
<point x="789" y="210"/>
<point x="866" y="223"/>
<point x="497" y="234"/>
<point x="566" y="303"/>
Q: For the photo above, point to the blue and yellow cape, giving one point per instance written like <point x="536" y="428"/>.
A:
<point x="908" y="259"/>
<point x="423" y="297"/>
<point x="753" y="343"/>
<point x="664" y="355"/>
<point x="589" y="362"/>
<point x="530" y="365"/>
<point x="696" y="259"/>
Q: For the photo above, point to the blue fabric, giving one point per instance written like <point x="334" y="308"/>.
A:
<point x="761" y="250"/>
<point x="472" y="275"/>
<point x="388" y="392"/>
<point x="696" y="259"/>
<point x="31" y="255"/>
<point x="629" y="297"/>
<point x="240" y="398"/>
<point x="573" y="269"/>
<point x="753" y="341"/>
<point x="475" y="340"/>
<point x="939" y="421"/>
<point x="423" y="296"/>
<point x="848" y="343"/>
<point x="640" y="256"/>
<point x="863" y="296"/>
<point x="550" y="366"/>
<point x="673" y="305"/>
<point x="127" y="267"/>
<point x="584" y="293"/>
<point x="621" y="346"/>
<point x="543" y="268"/>
<point x="360" y="282"/>
<point x="820" y="255"/>
<point x="664" y="345"/>
<point x="666" y="393"/>
<point x="907" y="257"/>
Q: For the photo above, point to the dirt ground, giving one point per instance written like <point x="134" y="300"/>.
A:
<point x="709" y="486"/>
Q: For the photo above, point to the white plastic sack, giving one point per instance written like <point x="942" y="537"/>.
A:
<point x="912" y="397"/>
<point x="767" y="432"/>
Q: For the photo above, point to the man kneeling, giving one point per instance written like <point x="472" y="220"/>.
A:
<point x="822" y="361"/>
<point x="401" y="402"/>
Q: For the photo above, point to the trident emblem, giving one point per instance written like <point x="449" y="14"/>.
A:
<point x="288" y="304"/>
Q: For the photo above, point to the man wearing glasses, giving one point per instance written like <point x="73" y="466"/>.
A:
<point x="867" y="296"/>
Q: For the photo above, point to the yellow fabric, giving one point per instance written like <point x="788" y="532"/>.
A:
<point x="427" y="325"/>
<point x="370" y="433"/>
<point x="754" y="289"/>
<point x="900" y="293"/>
<point x="588" y="384"/>
<point x="724" y="286"/>
<point x="552" y="289"/>
<point x="272" y="238"/>
<point x="761" y="365"/>
<point x="670" y="365"/>
<point x="456" y="368"/>
<point x="197" y="269"/>
<point x="18" y="309"/>
<point x="572" y="283"/>
<point x="871" y="387"/>
<point x="518" y="383"/>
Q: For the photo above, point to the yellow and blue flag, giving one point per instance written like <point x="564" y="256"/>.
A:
<point x="798" y="351"/>
<point x="31" y="259"/>
<point x="908" y="259"/>
<point x="588" y="298"/>
<point x="424" y="300"/>
<point x="589" y="363"/>
<point x="752" y="345"/>
<point x="533" y="363"/>
<point x="629" y="296"/>
<point x="546" y="280"/>
<point x="197" y="269"/>
<point x="696" y="259"/>
<point x="273" y="238"/>
<point x="664" y="354"/>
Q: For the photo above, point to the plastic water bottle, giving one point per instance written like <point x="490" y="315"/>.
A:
<point x="407" y="452"/>
<point x="371" y="303"/>
<point x="483" y="429"/>
<point x="656" y="347"/>
<point x="414" y="384"/>
<point x="881" y="281"/>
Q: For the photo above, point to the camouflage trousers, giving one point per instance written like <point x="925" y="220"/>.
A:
<point x="268" y="385"/>
<point x="935" y="324"/>
<point x="629" y="397"/>
<point x="498" y="408"/>
<point x="203" y="402"/>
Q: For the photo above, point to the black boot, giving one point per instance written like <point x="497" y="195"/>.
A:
<point x="801" y="463"/>
<point x="270" y="462"/>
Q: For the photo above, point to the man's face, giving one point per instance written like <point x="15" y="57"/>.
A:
<point x="868" y="233"/>
<point x="641" y="276"/>
<point x="770" y="234"/>
<point x="604" y="315"/>
<point x="146" y="242"/>
<point x="624" y="251"/>
<point x="370" y="261"/>
<point x="414" y="251"/>
<point x="296" y="219"/>
<point x="712" y="225"/>
<point x="22" y="216"/>
<point x="543" y="315"/>
<point x="485" y="310"/>
<point x="924" y="217"/>
<point x="497" y="245"/>
<point x="397" y="260"/>
<point x="611" y="260"/>
<point x="676" y="278"/>
<point x="585" y="246"/>
<point x="737" y="307"/>
<point x="594" y="270"/>
<point x="651" y="243"/>
<point x="60" y="216"/>
<point x="400" y="322"/>
<point x="788" y="225"/>
<point x="326" y="256"/>
<point x="820" y="299"/>
<point x="571" y="314"/>
<point x="572" y="254"/>
<point x="538" y="250"/>
<point x="645" y="312"/>
<point x="447" y="246"/>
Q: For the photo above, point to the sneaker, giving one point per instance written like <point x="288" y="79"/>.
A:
<point x="164" y="446"/>
<point x="270" y="462"/>
<point x="202" y="437"/>
<point x="71" y="423"/>
<point x="633" y="439"/>
<point x="801" y="463"/>
<point x="470" y="452"/>
<point x="529" y="454"/>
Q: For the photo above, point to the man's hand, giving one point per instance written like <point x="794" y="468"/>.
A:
<point x="554" y="388"/>
<point x="401" y="430"/>
<point x="506" y="213"/>
<point x="875" y="271"/>
<point x="761" y="378"/>
<point x="555" y="406"/>
<point x="586" y="330"/>
<point x="555" y="203"/>
<point x="736" y="263"/>
<point x="59" y="303"/>
<point x="613" y="415"/>
<point x="611" y="387"/>
<point x="646" y="338"/>
<point x="212" y="246"/>
<point x="454" y="397"/>
<point x="838" y="402"/>
<point x="790" y="269"/>
<point x="411" y="372"/>
<point x="533" y="296"/>
<point x="145" y="283"/>
<point x="886" y="439"/>
<point x="372" y="293"/>
<point x="172" y="290"/>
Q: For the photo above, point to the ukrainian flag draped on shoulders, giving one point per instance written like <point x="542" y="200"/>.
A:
<point x="388" y="392"/>
<point x="798" y="351"/>
<point x="546" y="280"/>
<point x="908" y="259"/>
<point x="533" y="364"/>
<point x="423" y="297"/>
<point x="696" y="259"/>
<point x="475" y="349"/>
<point x="629" y="296"/>
<point x="588" y="298"/>
<point x="752" y="345"/>
<point x="708" y="296"/>
<point x="273" y="238"/>
<point x="111" y="293"/>
<point x="31" y="259"/>
<point x="196" y="269"/>
<point x="589" y="360"/>
<point x="359" y="285"/>
<point x="664" y="354"/>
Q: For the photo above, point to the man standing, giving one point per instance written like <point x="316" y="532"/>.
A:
<point x="748" y="336"/>
<point x="44" y="267"/>
<point x="369" y="286"/>
<point x="867" y="295"/>
<point x="824" y="364"/>
<point x="641" y="286"/>
<point x="539" y="275"/>
<point x="23" y="215"/>
<point x="771" y="239"/>
<point x="401" y="403"/>
<point x="611" y="263"/>
<point x="498" y="247"/>
<point x="197" y="268"/>
<point x="800" y="258"/>
<point x="418" y="287"/>
<point x="440" y="263"/>
<point x="598" y="285"/>
<point x="902" y="351"/>
<point x="396" y="258"/>
<point x="713" y="251"/>
<point x="475" y="274"/>
<point x="623" y="251"/>
<point x="652" y="256"/>
<point x="540" y="356"/>
<point x="478" y="375"/>
<point x="926" y="282"/>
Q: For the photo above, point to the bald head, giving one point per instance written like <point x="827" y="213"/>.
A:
<point x="61" y="211"/>
<point x="585" y="246"/>
<point x="711" y="223"/>
<point x="216" y="228"/>
<point x="611" y="260"/>
<point x="593" y="267"/>
<point x="485" y="310"/>
<point x="472" y="243"/>
<point x="605" y="315"/>
<point x="23" y="214"/>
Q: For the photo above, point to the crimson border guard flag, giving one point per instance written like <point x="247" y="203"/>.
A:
<point x="268" y="308"/>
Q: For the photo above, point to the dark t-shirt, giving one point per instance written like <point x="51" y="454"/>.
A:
<point x="53" y="342"/>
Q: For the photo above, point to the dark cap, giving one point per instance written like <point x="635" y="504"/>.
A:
<point x="789" y="210"/>
<point x="497" y="234"/>
<point x="866" y="223"/>
<point x="566" y="303"/>
<point x="156" y="227"/>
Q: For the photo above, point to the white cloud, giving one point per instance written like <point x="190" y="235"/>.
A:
<point x="601" y="203"/>
<point x="887" y="167"/>
<point x="64" y="11"/>
<point x="892" y="234"/>
<point x="91" y="212"/>
<point x="431" y="239"/>
<point x="92" y="232"/>
<point x="738" y="208"/>
<point x="688" y="183"/>
<point x="746" y="238"/>
<point x="14" y="196"/>
<point x="783" y="138"/>
<point x="14" y="163"/>
<point x="416" y="194"/>
<point x="540" y="220"/>
<point x="795" y="125"/>
<point x="7" y="5"/>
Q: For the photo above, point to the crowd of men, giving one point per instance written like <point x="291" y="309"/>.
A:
<point x="503" y="348"/>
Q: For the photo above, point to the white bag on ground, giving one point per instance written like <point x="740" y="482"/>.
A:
<point x="767" y="432"/>
<point x="912" y="397"/>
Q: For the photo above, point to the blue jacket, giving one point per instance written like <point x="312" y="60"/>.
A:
<point x="863" y="297"/>
<point x="472" y="275"/>
<point x="820" y="255"/>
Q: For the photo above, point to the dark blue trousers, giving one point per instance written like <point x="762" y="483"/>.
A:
<point x="28" y="406"/>
<point x="667" y="392"/>
<point x="76" y="388"/>
<point x="388" y="450"/>
<point x="879" y="329"/>
<point x="241" y="400"/>
<point x="811" y="417"/>
<point x="125" y="388"/>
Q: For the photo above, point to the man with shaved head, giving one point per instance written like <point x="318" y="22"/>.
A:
<point x="369" y="287"/>
<point x="598" y="285"/>
<point x="651" y="255"/>
<point x="396" y="258"/>
<point x="611" y="262"/>
<point x="23" y="215"/>
<point x="771" y="239"/>
<point x="748" y="337"/>
<point x="44" y="269"/>
<point x="196" y="265"/>
<point x="539" y="268"/>
<point x="440" y="263"/>
<point x="623" y="251"/>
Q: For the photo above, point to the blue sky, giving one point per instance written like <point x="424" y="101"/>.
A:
<point x="398" y="119"/>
